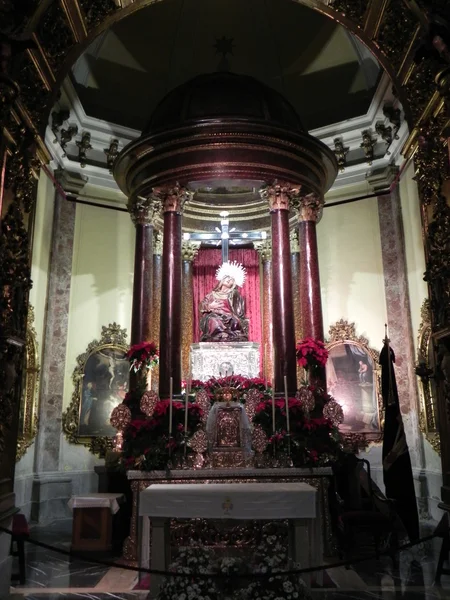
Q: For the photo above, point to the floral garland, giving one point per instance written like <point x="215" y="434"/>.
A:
<point x="311" y="354"/>
<point x="146" y="442"/>
<point x="243" y="384"/>
<point x="270" y="558"/>
<point x="143" y="355"/>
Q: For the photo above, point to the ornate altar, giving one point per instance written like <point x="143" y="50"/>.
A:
<point x="208" y="358"/>
<point x="228" y="430"/>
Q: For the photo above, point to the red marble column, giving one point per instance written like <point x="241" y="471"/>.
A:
<point x="142" y="213"/>
<point x="189" y="252"/>
<point x="309" y="210"/>
<point x="282" y="305"/>
<point x="170" y="320"/>
<point x="265" y="252"/>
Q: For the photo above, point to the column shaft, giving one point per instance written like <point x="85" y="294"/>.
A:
<point x="267" y="304"/>
<point x="189" y="251"/>
<point x="282" y="307"/>
<point x="156" y="308"/>
<point x="309" y="290"/>
<point x="141" y="319"/>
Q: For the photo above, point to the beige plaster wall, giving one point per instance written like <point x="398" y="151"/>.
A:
<point x="101" y="293"/>
<point x="351" y="268"/>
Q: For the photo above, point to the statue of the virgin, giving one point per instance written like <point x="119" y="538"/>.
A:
<point x="223" y="310"/>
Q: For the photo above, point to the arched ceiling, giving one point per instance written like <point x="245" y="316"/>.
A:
<point x="320" y="68"/>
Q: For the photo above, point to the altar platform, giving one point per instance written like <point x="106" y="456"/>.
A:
<point x="318" y="478"/>
<point x="208" y="359"/>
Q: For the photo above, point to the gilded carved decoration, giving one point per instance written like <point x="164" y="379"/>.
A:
<point x="264" y="249"/>
<point x="355" y="10"/>
<point x="425" y="371"/>
<point x="29" y="406"/>
<point x="100" y="381"/>
<point x="308" y="208"/>
<point x="96" y="11"/>
<point x="158" y="240"/>
<point x="397" y="30"/>
<point x="55" y="35"/>
<point x="340" y="152"/>
<point x="173" y="198"/>
<point x="143" y="211"/>
<point x="189" y="250"/>
<point x="279" y="195"/>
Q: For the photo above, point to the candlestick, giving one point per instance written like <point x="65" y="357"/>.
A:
<point x="170" y="406"/>
<point x="287" y="405"/>
<point x="273" y="409"/>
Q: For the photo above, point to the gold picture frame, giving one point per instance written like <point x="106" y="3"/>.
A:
<point x="100" y="380"/>
<point x="354" y="380"/>
<point x="425" y="369"/>
<point x="29" y="405"/>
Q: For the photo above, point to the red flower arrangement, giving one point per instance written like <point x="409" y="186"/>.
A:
<point x="146" y="442"/>
<point x="244" y="384"/>
<point x="311" y="353"/>
<point x="313" y="440"/>
<point x="141" y="355"/>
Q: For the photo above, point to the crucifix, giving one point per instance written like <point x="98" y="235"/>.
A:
<point x="226" y="236"/>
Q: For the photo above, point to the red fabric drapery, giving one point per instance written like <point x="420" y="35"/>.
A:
<point x="204" y="270"/>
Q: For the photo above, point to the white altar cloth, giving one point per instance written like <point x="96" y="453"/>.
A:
<point x="296" y="502"/>
<point x="229" y="501"/>
<point x="100" y="500"/>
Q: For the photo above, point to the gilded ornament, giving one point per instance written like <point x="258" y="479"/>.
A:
<point x="259" y="439"/>
<point x="120" y="417"/>
<point x="97" y="11"/>
<point x="354" y="10"/>
<point x="306" y="397"/>
<point x="394" y="117"/>
<point x="340" y="152"/>
<point x="293" y="239"/>
<point x="385" y="132"/>
<point x="55" y="35"/>
<point x="189" y="250"/>
<point x="111" y="154"/>
<point x="309" y="207"/>
<point x="333" y="411"/>
<point x="148" y="402"/>
<point x="279" y="193"/>
<point x="143" y="211"/>
<point x="84" y="145"/>
<point x="253" y="397"/>
<point x="199" y="441"/>
<point x="173" y="197"/>
<point x="368" y="144"/>
<point x="58" y="118"/>
<point x="397" y="30"/>
<point x="264" y="249"/>
<point x="202" y="399"/>
<point x="66" y="136"/>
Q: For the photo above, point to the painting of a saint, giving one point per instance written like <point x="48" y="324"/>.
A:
<point x="351" y="380"/>
<point x="104" y="386"/>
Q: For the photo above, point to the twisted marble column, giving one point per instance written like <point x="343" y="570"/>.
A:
<point x="278" y="196"/>
<point x="173" y="199"/>
<point x="188" y="253"/>
<point x="142" y="212"/>
<point x="265" y="252"/>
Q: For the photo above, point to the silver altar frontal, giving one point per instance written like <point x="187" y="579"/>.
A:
<point x="212" y="359"/>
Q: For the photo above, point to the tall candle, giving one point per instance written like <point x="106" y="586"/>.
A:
<point x="287" y="404"/>
<point x="273" y="409"/>
<point x="170" y="406"/>
<point x="186" y="407"/>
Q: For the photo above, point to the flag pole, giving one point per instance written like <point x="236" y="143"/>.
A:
<point x="390" y="399"/>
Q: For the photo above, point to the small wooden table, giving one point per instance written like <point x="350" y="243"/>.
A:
<point x="296" y="502"/>
<point x="92" y="521"/>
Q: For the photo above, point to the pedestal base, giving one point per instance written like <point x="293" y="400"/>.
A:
<point x="208" y="359"/>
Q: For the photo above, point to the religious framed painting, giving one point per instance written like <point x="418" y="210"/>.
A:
<point x="101" y="380"/>
<point x="354" y="380"/>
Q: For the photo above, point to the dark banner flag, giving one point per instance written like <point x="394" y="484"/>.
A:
<point x="397" y="470"/>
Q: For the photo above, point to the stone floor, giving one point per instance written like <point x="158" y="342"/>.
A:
<point x="51" y="576"/>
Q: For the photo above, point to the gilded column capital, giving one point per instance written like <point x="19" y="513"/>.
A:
<point x="293" y="238"/>
<point x="264" y="249"/>
<point x="279" y="194"/>
<point x="309" y="207"/>
<point x="142" y="210"/>
<point x="189" y="250"/>
<point x="158" y="243"/>
<point x="173" y="197"/>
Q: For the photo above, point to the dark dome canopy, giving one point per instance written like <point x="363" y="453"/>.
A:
<point x="223" y="95"/>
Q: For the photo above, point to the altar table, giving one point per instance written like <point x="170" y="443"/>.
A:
<point x="296" y="502"/>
